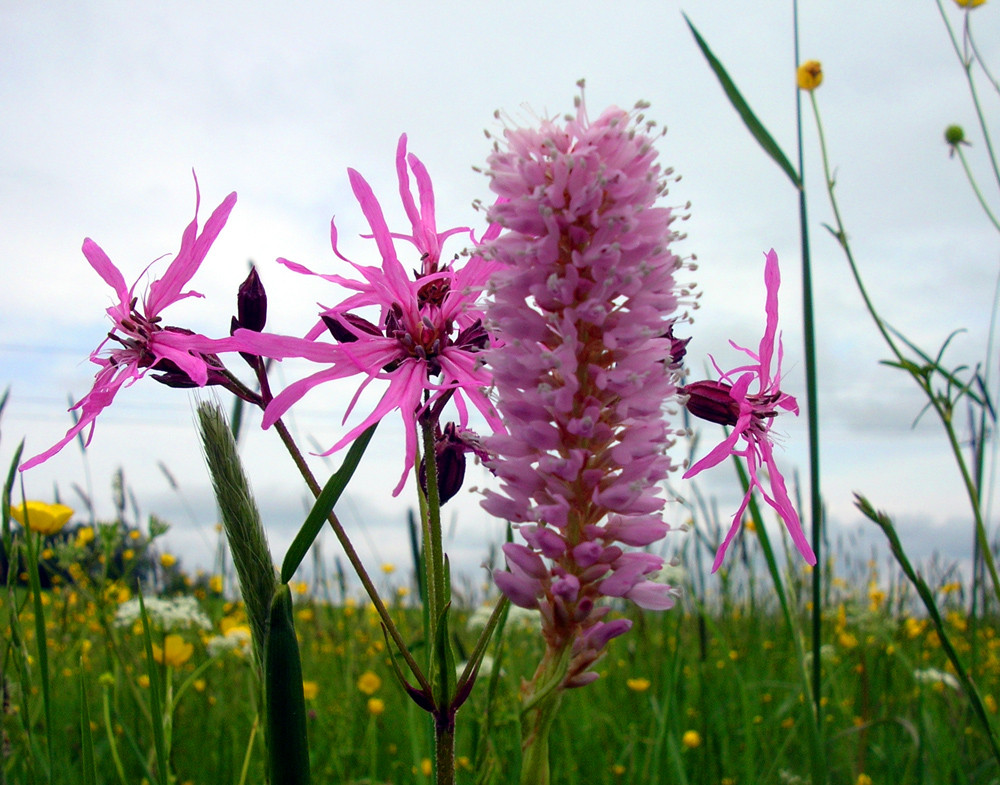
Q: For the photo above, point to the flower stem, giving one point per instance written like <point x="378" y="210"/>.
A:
<point x="943" y="411"/>
<point x="352" y="556"/>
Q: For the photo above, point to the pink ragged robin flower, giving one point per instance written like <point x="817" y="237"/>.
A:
<point x="584" y="305"/>
<point x="729" y="401"/>
<point x="140" y="340"/>
<point x="424" y="337"/>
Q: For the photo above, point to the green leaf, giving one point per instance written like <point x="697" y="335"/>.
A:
<point x="287" y="740"/>
<point x="745" y="112"/>
<point x="159" y="740"/>
<point x="86" y="736"/>
<point x="323" y="506"/>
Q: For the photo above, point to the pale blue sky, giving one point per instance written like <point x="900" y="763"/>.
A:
<point x="107" y="107"/>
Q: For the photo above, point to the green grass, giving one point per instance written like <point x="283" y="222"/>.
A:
<point x="721" y="673"/>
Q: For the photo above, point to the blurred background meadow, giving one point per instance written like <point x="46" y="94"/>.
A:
<point x="107" y="110"/>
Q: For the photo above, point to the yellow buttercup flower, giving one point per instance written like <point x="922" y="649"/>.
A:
<point x="809" y="75"/>
<point x="43" y="518"/>
<point x="167" y="560"/>
<point x="369" y="683"/>
<point x="84" y="535"/>
<point x="691" y="739"/>
<point x="175" y="652"/>
<point x="215" y="584"/>
<point x="969" y="3"/>
<point x="638" y="685"/>
<point x="310" y="689"/>
<point x="376" y="706"/>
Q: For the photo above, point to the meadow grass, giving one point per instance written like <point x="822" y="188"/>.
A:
<point x="711" y="692"/>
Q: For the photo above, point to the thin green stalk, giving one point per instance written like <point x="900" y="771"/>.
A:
<point x="967" y="67"/>
<point x="353" y="558"/>
<point x="943" y="413"/>
<point x="927" y="597"/>
<point x="812" y="403"/>
<point x="975" y="187"/>
<point x="40" y="635"/>
<point x="110" y="732"/>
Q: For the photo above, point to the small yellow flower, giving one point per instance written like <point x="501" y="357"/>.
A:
<point x="175" y="652"/>
<point x="215" y="584"/>
<point x="167" y="560"/>
<point x="310" y="689"/>
<point x="809" y="75"/>
<point x="144" y="681"/>
<point x="369" y="683"/>
<point x="376" y="706"/>
<point x="618" y="770"/>
<point x="128" y="554"/>
<point x="969" y="3"/>
<point x="864" y="779"/>
<point x="199" y="685"/>
<point x="388" y="568"/>
<point x="991" y="704"/>
<point x="300" y="587"/>
<point x="84" y="535"/>
<point x="425" y="767"/>
<point x="638" y="685"/>
<point x="43" y="518"/>
<point x="134" y="534"/>
<point x="691" y="739"/>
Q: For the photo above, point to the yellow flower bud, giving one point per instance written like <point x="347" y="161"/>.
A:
<point x="809" y="75"/>
<point x="969" y="3"/>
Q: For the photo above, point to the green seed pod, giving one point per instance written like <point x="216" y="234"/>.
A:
<point x="287" y="742"/>
<point x="954" y="134"/>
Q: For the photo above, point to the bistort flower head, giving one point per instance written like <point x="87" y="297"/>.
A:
<point x="144" y="342"/>
<point x="425" y="337"/>
<point x="729" y="401"/>
<point x="584" y="306"/>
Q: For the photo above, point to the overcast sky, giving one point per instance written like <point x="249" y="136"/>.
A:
<point x="105" y="109"/>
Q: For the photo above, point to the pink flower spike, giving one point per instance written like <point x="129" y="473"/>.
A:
<point x="728" y="401"/>
<point x="145" y="343"/>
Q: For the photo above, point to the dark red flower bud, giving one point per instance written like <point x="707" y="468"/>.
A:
<point x="337" y="325"/>
<point x="450" y="450"/>
<point x="678" y="346"/>
<point x="251" y="303"/>
<point x="711" y="401"/>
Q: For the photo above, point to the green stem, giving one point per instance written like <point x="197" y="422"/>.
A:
<point x="943" y="413"/>
<point x="967" y="68"/>
<point x="353" y="557"/>
<point x="975" y="188"/>
<point x="812" y="407"/>
<point x="34" y="546"/>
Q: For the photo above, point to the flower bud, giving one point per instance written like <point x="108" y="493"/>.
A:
<point x="809" y="75"/>
<point x="711" y="401"/>
<point x="954" y="135"/>
<point x="251" y="303"/>
<point x="450" y="452"/>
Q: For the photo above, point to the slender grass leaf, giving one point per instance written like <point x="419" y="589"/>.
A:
<point x="324" y="505"/>
<point x="756" y="128"/>
<point x="159" y="739"/>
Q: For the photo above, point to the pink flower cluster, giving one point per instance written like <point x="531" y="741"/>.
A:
<point x="424" y="336"/>
<point x="583" y="306"/>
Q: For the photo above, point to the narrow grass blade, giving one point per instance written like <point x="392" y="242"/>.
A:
<point x="159" y="740"/>
<point x="324" y="505"/>
<point x="287" y="741"/>
<point x="756" y="128"/>
<point x="86" y="735"/>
